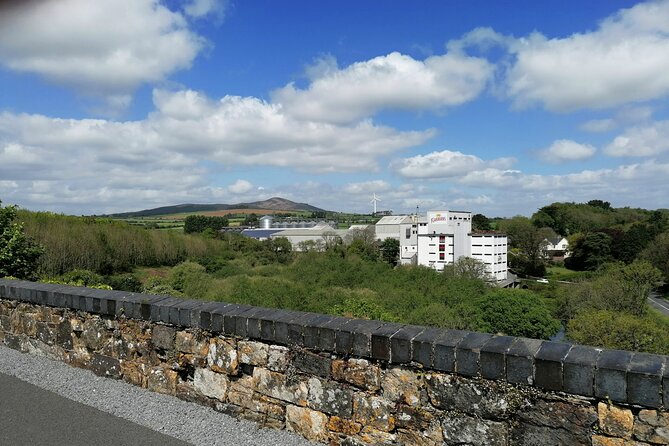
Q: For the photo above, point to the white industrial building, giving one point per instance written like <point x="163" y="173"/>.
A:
<point x="389" y="227"/>
<point x="445" y="236"/>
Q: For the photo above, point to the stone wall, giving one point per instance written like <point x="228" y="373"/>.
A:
<point x="345" y="381"/>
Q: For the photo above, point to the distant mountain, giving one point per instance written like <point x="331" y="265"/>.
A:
<point x="273" y="204"/>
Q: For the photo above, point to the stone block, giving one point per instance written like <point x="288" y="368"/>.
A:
<point x="611" y="375"/>
<point x="211" y="384"/>
<point x="665" y="384"/>
<point x="163" y="337"/>
<point x="344" y="336"/>
<point x="296" y="328"/>
<point x="644" y="380"/>
<point x="520" y="361"/>
<point x="579" y="370"/>
<point x="282" y="319"/>
<point x="330" y="397"/>
<point x="374" y="411"/>
<point x="493" y="357"/>
<point x="454" y="393"/>
<point x="525" y="434"/>
<point x="222" y="356"/>
<point x="311" y="328"/>
<point x="462" y="429"/>
<point x="327" y="333"/>
<point x="312" y="364"/>
<point x="186" y="310"/>
<point x="253" y="353"/>
<point x="160" y="308"/>
<point x="548" y="365"/>
<point x="401" y="385"/>
<point x="103" y="365"/>
<point x="422" y="346"/>
<point x="358" y="372"/>
<point x="204" y="321"/>
<point x="362" y="338"/>
<point x="574" y="418"/>
<point x="311" y="424"/>
<point x="467" y="353"/>
<point x="615" y="421"/>
<point x="134" y="373"/>
<point x="652" y="426"/>
<point x="163" y="380"/>
<point x="278" y="358"/>
<point x="234" y="320"/>
<point x="280" y="387"/>
<point x="255" y="320"/>
<point x="95" y="335"/>
<point x="381" y="340"/>
<point x="343" y="426"/>
<point x="401" y="342"/>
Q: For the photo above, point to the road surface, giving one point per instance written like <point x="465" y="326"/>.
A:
<point x="33" y="416"/>
<point x="660" y="304"/>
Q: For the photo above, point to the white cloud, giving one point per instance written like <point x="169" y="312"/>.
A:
<point x="202" y="8"/>
<point x="240" y="187"/>
<point x="445" y="164"/>
<point x="394" y="81"/>
<point x="648" y="140"/>
<point x="622" y="61"/>
<point x="102" y="48"/>
<point x="166" y="157"/>
<point x="367" y="187"/>
<point x="624" y="116"/>
<point x="473" y="201"/>
<point x="567" y="150"/>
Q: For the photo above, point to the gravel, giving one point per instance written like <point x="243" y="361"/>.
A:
<point x="185" y="421"/>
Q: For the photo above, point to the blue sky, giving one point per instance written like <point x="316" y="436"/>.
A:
<point x="493" y="107"/>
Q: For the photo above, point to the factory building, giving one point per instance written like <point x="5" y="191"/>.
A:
<point x="444" y="236"/>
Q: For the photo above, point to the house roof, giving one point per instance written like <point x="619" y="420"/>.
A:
<point x="394" y="220"/>
<point x="259" y="233"/>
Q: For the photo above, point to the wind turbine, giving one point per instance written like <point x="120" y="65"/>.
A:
<point x="374" y="200"/>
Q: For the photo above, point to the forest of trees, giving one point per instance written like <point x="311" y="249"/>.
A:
<point x="605" y="305"/>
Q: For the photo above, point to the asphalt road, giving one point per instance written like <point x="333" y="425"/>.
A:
<point x="660" y="304"/>
<point x="30" y="415"/>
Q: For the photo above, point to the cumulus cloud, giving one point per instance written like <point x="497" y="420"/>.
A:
<point x="203" y="8"/>
<point x="394" y="81"/>
<point x="564" y="150"/>
<point x="102" y="48"/>
<point x="624" y="116"/>
<point x="240" y="187"/>
<point x="366" y="187"/>
<point x="647" y="140"/>
<point x="170" y="152"/>
<point x="622" y="61"/>
<point x="445" y="164"/>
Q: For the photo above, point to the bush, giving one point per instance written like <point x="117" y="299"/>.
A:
<point x="19" y="254"/>
<point x="621" y="331"/>
<point x="516" y="313"/>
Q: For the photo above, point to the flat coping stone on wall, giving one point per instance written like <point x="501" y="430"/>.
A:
<point x="401" y="343"/>
<point x="327" y="332"/>
<point x="579" y="370"/>
<point x="444" y="349"/>
<point x="520" y="360"/>
<point x="548" y="365"/>
<point x="311" y="331"/>
<point x="204" y="313"/>
<point x="493" y="357"/>
<point x="665" y="383"/>
<point x="644" y="378"/>
<point x="468" y="352"/>
<point x="381" y="340"/>
<point x="641" y="379"/>
<point x="611" y="374"/>
<point x="422" y="346"/>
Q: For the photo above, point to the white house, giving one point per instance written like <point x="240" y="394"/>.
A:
<point x="557" y="246"/>
<point x="445" y="236"/>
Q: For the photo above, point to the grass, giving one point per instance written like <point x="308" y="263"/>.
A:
<point x="567" y="275"/>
